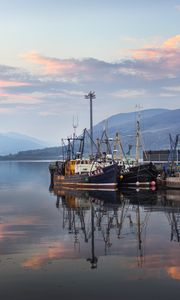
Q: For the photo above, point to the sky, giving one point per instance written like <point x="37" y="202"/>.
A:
<point x="53" y="52"/>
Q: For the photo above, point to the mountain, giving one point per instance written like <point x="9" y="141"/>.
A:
<point x="129" y="118"/>
<point x="12" y="142"/>
<point x="156" y="125"/>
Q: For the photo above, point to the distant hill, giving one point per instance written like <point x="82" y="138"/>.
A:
<point x="12" y="142"/>
<point x="123" y="119"/>
<point x="156" y="124"/>
<point x="51" y="153"/>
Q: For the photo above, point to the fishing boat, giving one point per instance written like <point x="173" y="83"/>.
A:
<point x="85" y="174"/>
<point x="78" y="171"/>
<point x="82" y="170"/>
<point x="138" y="175"/>
<point x="172" y="180"/>
<point x="135" y="172"/>
<point x="170" y="177"/>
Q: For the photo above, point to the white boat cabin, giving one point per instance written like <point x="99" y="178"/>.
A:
<point x="78" y="166"/>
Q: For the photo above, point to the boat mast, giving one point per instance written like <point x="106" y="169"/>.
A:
<point x="75" y="125"/>
<point x="139" y="236"/>
<point x="137" y="141"/>
<point x="91" y="96"/>
<point x="173" y="155"/>
<point x="93" y="259"/>
<point x="138" y="133"/>
<point x="117" y="142"/>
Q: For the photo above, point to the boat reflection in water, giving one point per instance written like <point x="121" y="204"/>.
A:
<point x="171" y="206"/>
<point x="111" y="223"/>
<point x="84" y="212"/>
<point x="102" y="219"/>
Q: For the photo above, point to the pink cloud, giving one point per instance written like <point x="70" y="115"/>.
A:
<point x="11" y="98"/>
<point x="159" y="61"/>
<point x="172" y="42"/>
<point x="55" y="251"/>
<point x="6" y="98"/>
<point x="168" y="50"/>
<point x="50" y="65"/>
<point x="5" y="230"/>
<point x="9" y="83"/>
<point x="174" y="272"/>
<point x="146" y="53"/>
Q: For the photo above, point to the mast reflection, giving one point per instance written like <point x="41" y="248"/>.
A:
<point x="112" y="216"/>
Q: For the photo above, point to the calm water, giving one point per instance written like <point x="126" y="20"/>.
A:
<point x="62" y="245"/>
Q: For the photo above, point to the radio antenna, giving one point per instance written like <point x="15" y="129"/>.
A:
<point x="75" y="125"/>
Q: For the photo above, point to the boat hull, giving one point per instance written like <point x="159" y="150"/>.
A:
<point x="106" y="179"/>
<point x="141" y="175"/>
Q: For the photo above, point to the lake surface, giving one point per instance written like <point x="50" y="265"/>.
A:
<point x="85" y="245"/>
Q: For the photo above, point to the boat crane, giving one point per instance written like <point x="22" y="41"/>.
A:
<point x="173" y="151"/>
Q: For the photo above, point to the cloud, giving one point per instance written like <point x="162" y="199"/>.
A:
<point x="6" y="229"/>
<point x="60" y="84"/>
<point x="172" y="42"/>
<point x="177" y="7"/>
<point x="9" y="98"/>
<point x="167" y="48"/>
<point x="49" y="113"/>
<point x="174" y="272"/>
<point x="167" y="95"/>
<point x="20" y="99"/>
<point x="9" y="83"/>
<point x="49" y="65"/>
<point x="5" y="110"/>
<point x="167" y="55"/>
<point x="170" y="91"/>
<point x="150" y="62"/>
<point x="129" y="93"/>
<point x="74" y="70"/>
<point x="172" y="88"/>
<point x="55" y="251"/>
